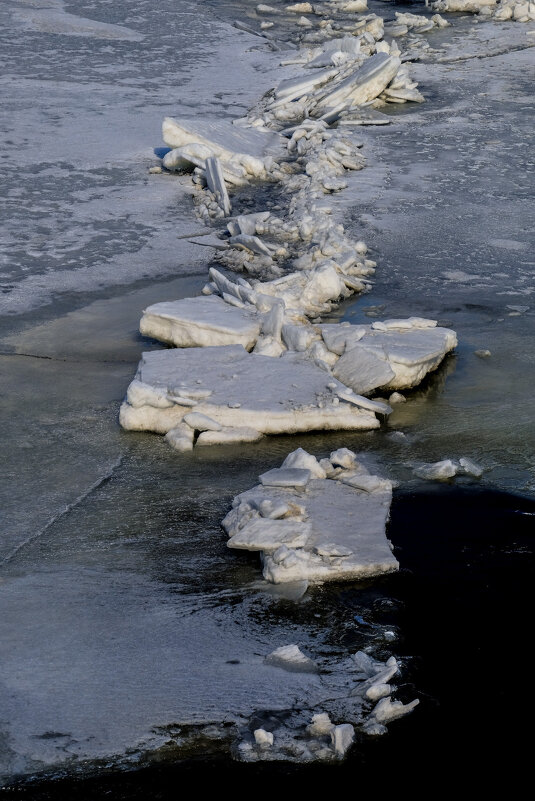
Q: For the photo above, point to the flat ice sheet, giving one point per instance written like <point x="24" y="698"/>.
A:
<point x="273" y="396"/>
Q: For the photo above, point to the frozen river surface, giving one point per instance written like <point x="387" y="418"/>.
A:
<point x="126" y="624"/>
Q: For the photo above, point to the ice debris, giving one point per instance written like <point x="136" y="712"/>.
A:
<point x="313" y="528"/>
<point x="357" y="694"/>
<point x="448" y="468"/>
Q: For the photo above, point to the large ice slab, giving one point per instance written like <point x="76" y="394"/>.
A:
<point x="201" y="322"/>
<point x="327" y="529"/>
<point x="238" y="390"/>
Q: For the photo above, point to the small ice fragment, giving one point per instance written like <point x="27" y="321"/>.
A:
<point x="438" y="471"/>
<point x="364" y="663"/>
<point x="263" y="738"/>
<point x="470" y="467"/>
<point x="374" y="729"/>
<point x="290" y="657"/>
<point x="397" y="397"/>
<point x="321" y="725"/>
<point x="398" y="436"/>
<point x="364" y="403"/>
<point x="342" y="737"/>
<point x="285" y="477"/>
<point x="343" y="457"/>
<point x="388" y="710"/>
<point x="181" y="401"/>
<point x="483" y="353"/>
<point x="180" y="438"/>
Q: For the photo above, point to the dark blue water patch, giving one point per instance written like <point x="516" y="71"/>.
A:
<point x="160" y="152"/>
<point x="462" y="603"/>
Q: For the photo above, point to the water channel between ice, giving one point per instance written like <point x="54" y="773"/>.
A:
<point x="124" y="616"/>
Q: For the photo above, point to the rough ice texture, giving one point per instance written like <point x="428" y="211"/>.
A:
<point x="237" y="393"/>
<point x="333" y="528"/>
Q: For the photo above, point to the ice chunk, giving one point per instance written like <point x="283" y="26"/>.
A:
<point x="470" y="467"/>
<point x="362" y="369"/>
<point x="235" y="146"/>
<point x="321" y="725"/>
<point x="345" y="530"/>
<point x="216" y="184"/>
<point x="412" y="348"/>
<point x="200" y="322"/>
<point x="377" y="691"/>
<point x="343" y="457"/>
<point x="342" y="737"/>
<point x="363" y="403"/>
<point x="306" y="461"/>
<point x="140" y="394"/>
<point x="362" y="85"/>
<point x="286" y="403"/>
<point x="290" y="657"/>
<point x="263" y="738"/>
<point x="367" y="483"/>
<point x="180" y="438"/>
<point x="388" y="710"/>
<point x="439" y="471"/>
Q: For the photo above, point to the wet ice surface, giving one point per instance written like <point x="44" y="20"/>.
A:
<point x="126" y="616"/>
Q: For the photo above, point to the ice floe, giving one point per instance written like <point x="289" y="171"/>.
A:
<point x="314" y="524"/>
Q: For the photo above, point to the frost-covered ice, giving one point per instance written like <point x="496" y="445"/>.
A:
<point x="315" y="529"/>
